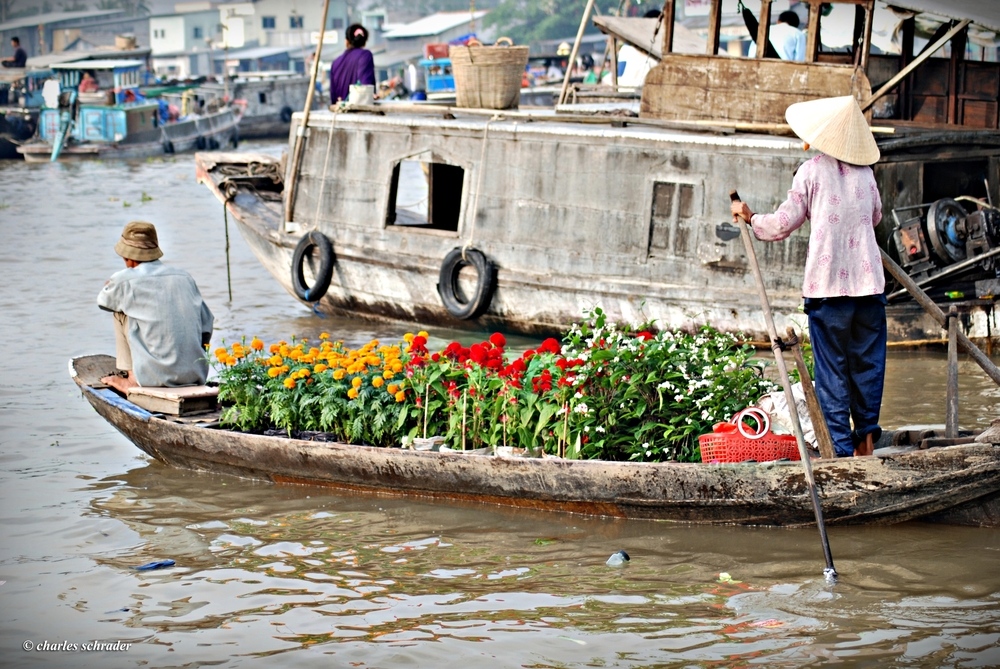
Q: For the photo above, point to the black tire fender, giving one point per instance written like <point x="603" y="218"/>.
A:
<point x="213" y="143"/>
<point x="168" y="146"/>
<point x="324" y="273"/>
<point x="286" y="114"/>
<point x="200" y="143"/>
<point x="234" y="140"/>
<point x="448" y="288"/>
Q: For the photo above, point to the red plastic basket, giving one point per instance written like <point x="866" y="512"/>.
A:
<point x="731" y="441"/>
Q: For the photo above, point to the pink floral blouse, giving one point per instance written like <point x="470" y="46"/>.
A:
<point x="843" y="206"/>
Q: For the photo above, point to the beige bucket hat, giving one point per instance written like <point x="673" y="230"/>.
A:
<point x="836" y="127"/>
<point x="139" y="242"/>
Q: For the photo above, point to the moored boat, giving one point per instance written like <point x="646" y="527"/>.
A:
<point x="268" y="100"/>
<point x="553" y="211"/>
<point x="957" y="483"/>
<point x="119" y="122"/>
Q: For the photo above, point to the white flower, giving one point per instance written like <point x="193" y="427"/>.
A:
<point x="577" y="395"/>
<point x="599" y="429"/>
<point x="649" y="453"/>
<point x="586" y="428"/>
<point x="581" y="408"/>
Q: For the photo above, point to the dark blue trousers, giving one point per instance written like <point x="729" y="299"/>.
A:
<point x="848" y="336"/>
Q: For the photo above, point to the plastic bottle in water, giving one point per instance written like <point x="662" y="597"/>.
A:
<point x="617" y="559"/>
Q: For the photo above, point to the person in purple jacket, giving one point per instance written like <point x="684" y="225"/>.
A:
<point x="844" y="284"/>
<point x="354" y="66"/>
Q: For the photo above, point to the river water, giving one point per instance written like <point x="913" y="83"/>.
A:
<point x="301" y="577"/>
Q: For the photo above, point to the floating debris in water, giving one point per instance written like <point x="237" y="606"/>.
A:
<point x="158" y="564"/>
<point x="618" y="559"/>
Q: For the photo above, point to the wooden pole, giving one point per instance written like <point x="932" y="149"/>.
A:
<point x="714" y="27"/>
<point x="927" y="53"/>
<point x="812" y="34"/>
<point x="667" y="45"/>
<point x="576" y="49"/>
<point x="763" y="28"/>
<point x="823" y="438"/>
<point x="866" y="37"/>
<point x="934" y="310"/>
<point x="830" y="572"/>
<point x="951" y="396"/>
<point x="293" y="179"/>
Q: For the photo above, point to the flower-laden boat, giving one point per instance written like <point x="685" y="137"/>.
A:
<point x="515" y="220"/>
<point x="594" y="426"/>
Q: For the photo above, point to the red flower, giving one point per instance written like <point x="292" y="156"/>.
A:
<point x="644" y="335"/>
<point x="550" y="345"/>
<point x="498" y="340"/>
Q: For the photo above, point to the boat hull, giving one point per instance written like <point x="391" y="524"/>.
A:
<point x="893" y="487"/>
<point x="212" y="130"/>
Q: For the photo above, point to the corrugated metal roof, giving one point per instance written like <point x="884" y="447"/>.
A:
<point x="54" y="17"/>
<point x="389" y="58"/>
<point x="985" y="13"/>
<point x="98" y="65"/>
<point x="435" y="24"/>
<point x="253" y="53"/>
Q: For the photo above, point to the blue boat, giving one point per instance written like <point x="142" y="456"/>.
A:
<point x="20" y="104"/>
<point x="118" y="121"/>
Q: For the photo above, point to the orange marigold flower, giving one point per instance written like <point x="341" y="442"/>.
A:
<point x="339" y="374"/>
<point x="388" y="374"/>
<point x="274" y="372"/>
<point x="275" y="360"/>
<point x="289" y="383"/>
<point x="392" y="389"/>
<point x="378" y="381"/>
<point x="324" y="335"/>
<point x="256" y="344"/>
<point x="274" y="348"/>
<point x="221" y="352"/>
<point x="320" y="368"/>
<point x="408" y="337"/>
<point x="357" y="381"/>
<point x="423" y="333"/>
<point x="284" y="350"/>
<point x="230" y="360"/>
<point x="352" y="393"/>
<point x="400" y="396"/>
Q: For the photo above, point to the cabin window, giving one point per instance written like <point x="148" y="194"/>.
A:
<point x="425" y="194"/>
<point x="262" y="97"/>
<point x="294" y="22"/>
<point x="671" y="221"/>
<point x="336" y="24"/>
<point x="197" y="32"/>
<point x="955" y="178"/>
<point x="267" y="22"/>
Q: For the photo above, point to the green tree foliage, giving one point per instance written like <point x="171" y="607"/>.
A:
<point x="532" y="20"/>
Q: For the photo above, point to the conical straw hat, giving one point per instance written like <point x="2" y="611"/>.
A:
<point x="836" y="127"/>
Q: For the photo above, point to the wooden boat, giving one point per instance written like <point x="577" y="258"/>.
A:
<point x="118" y="122"/>
<point x="268" y="99"/>
<point x="957" y="484"/>
<point x="550" y="212"/>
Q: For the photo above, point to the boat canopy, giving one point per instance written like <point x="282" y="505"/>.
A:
<point x="126" y="73"/>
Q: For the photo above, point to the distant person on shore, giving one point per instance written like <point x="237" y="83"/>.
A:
<point x="844" y="285"/>
<point x="88" y="84"/>
<point x="20" y="57"/>
<point x="786" y="38"/>
<point x="355" y="66"/>
<point x="162" y="325"/>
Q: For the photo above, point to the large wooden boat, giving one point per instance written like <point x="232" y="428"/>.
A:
<point x="550" y="212"/>
<point x="119" y="122"/>
<point x="954" y="484"/>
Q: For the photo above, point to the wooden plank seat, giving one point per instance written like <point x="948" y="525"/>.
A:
<point x="178" y="401"/>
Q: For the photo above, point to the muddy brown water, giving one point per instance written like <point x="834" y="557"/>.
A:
<point x="301" y="577"/>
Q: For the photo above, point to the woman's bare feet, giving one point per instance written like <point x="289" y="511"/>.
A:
<point x="121" y="383"/>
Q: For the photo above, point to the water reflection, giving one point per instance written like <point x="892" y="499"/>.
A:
<point x="296" y="571"/>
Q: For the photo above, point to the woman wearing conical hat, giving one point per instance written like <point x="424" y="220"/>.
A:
<point x="844" y="285"/>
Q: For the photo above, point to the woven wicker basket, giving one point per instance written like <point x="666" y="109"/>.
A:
<point x="488" y="77"/>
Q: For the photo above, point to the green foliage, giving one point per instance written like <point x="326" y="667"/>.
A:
<point x="608" y="391"/>
<point x="531" y="20"/>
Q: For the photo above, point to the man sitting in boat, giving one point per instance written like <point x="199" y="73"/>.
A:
<point x="162" y="325"/>
<point x="786" y="38"/>
<point x="20" y="57"/>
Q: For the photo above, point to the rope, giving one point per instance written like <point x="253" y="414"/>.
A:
<point x="322" y="183"/>
<point x="479" y="185"/>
